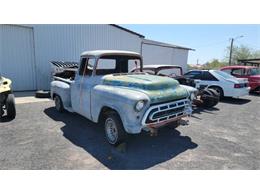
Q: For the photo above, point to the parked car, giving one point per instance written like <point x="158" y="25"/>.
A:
<point x="251" y="73"/>
<point x="104" y="92"/>
<point x="199" y="97"/>
<point x="225" y="84"/>
<point x="7" y="102"/>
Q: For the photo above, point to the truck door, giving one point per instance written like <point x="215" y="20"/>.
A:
<point x="81" y="89"/>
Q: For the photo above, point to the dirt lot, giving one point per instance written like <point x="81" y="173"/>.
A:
<point x="227" y="137"/>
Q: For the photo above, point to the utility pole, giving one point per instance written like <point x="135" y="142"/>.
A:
<point x="231" y="48"/>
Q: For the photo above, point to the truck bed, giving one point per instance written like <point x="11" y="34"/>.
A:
<point x="64" y="71"/>
<point x="66" y="80"/>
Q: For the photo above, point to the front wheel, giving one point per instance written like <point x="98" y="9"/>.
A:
<point x="10" y="106"/>
<point x="114" y="129"/>
<point x="58" y="104"/>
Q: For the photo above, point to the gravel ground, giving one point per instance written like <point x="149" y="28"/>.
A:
<point x="226" y="137"/>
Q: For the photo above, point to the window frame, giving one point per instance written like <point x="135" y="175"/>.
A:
<point x="89" y="72"/>
<point x="190" y="73"/>
<point x="204" y="78"/>
<point x="234" y="69"/>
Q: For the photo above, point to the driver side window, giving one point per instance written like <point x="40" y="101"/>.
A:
<point x="86" y="66"/>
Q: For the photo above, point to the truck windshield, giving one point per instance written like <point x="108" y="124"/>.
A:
<point x="117" y="64"/>
<point x="254" y="71"/>
<point x="170" y="72"/>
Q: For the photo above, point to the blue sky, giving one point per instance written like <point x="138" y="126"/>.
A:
<point x="209" y="41"/>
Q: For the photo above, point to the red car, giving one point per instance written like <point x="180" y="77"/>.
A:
<point x="252" y="73"/>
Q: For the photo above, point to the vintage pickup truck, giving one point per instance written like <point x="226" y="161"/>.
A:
<point x="103" y="90"/>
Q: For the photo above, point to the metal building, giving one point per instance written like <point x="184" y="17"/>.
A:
<point x="155" y="52"/>
<point x="25" y="50"/>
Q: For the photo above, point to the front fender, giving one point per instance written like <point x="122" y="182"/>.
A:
<point x="122" y="100"/>
<point x="63" y="90"/>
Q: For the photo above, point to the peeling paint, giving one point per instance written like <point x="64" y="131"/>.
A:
<point x="158" y="89"/>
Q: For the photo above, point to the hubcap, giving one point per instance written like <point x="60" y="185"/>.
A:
<point x="111" y="131"/>
<point x="217" y="90"/>
<point x="57" y="103"/>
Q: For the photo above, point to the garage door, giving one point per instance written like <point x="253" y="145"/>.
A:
<point x="17" y="56"/>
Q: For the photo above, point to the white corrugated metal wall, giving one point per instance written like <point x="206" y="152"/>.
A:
<point x="1" y="45"/>
<point x="67" y="42"/>
<point x="156" y="54"/>
<point x="58" y="42"/>
<point x="17" y="56"/>
<point x="180" y="57"/>
<point x="153" y="54"/>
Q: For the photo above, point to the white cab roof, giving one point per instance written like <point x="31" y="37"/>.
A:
<point x="98" y="53"/>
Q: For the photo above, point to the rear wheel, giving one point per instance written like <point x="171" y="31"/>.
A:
<point x="114" y="129"/>
<point x="209" y="97"/>
<point x="58" y="103"/>
<point x="219" y="90"/>
<point x="257" y="90"/>
<point x="10" y="106"/>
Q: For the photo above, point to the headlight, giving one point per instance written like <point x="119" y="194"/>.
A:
<point x="139" y="105"/>
<point x="192" y="96"/>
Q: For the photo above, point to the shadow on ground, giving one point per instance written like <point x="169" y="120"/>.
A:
<point x="255" y="93"/>
<point x="139" y="152"/>
<point x="238" y="101"/>
<point x="200" y="110"/>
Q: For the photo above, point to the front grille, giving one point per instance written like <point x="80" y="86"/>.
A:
<point x="165" y="111"/>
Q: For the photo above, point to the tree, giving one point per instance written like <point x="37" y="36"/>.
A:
<point x="214" y="64"/>
<point x="241" y="52"/>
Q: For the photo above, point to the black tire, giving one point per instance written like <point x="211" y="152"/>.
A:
<point x="214" y="92"/>
<point x="58" y="103"/>
<point x="114" y="129"/>
<point x="1" y="111"/>
<point x="10" y="106"/>
<point x="216" y="97"/>
<point x="208" y="98"/>
<point x="42" y="94"/>
<point x="257" y="90"/>
<point x="219" y="90"/>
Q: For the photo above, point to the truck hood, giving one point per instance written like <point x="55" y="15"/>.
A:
<point x="158" y="89"/>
